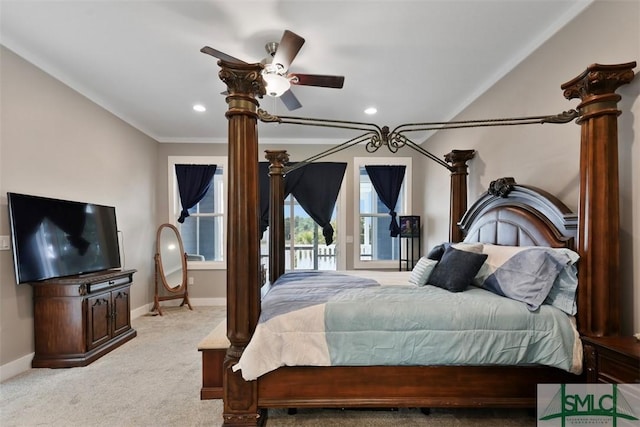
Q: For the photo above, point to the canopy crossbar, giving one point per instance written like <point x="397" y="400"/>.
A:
<point x="377" y="137"/>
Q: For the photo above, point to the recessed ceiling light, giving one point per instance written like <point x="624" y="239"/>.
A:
<point x="199" y="108"/>
<point x="371" y="110"/>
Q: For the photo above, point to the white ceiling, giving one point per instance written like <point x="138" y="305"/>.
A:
<point x="415" y="61"/>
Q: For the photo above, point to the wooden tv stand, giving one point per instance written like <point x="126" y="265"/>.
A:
<point x="79" y="319"/>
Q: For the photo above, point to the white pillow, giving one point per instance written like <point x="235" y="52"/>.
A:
<point x="469" y="247"/>
<point x="421" y="271"/>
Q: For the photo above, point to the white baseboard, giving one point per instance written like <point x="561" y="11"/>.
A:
<point x="141" y="311"/>
<point x="15" y="367"/>
<point x="18" y="366"/>
<point x="195" y="302"/>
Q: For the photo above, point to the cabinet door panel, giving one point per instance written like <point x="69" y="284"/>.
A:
<point x="121" y="310"/>
<point x="98" y="320"/>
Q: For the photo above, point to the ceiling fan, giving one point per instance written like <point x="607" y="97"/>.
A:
<point x="276" y="74"/>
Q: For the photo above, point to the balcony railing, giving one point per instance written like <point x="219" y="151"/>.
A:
<point x="303" y="257"/>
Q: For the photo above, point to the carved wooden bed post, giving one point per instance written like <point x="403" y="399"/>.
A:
<point x="599" y="205"/>
<point x="244" y="83"/>
<point x="277" y="160"/>
<point x="458" y="197"/>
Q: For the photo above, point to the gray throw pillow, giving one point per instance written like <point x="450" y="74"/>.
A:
<point x="456" y="269"/>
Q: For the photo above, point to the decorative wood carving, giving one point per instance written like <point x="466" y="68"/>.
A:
<point x="277" y="161"/>
<point x="243" y="80"/>
<point x="599" y="205"/>
<point x="458" y="190"/>
<point x="501" y="187"/>
<point x="244" y="84"/>
<point x="598" y="79"/>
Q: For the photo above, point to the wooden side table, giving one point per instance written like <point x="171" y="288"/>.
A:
<point x="612" y="359"/>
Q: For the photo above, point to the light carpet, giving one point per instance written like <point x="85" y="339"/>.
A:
<point x="155" y="379"/>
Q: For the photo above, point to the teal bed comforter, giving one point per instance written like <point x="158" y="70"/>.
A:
<point x="333" y="319"/>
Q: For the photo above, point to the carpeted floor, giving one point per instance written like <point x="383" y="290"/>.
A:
<point x="155" y="379"/>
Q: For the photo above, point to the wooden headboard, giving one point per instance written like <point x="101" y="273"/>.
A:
<point x="519" y="215"/>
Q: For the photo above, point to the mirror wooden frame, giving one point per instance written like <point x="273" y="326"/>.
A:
<point x="175" y="292"/>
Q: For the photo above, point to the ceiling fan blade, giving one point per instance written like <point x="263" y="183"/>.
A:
<point x="290" y="101"/>
<point x="220" y="55"/>
<point x="288" y="48"/>
<point x="317" y="80"/>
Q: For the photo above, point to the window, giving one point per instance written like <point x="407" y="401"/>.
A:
<point x="305" y="247"/>
<point x="204" y="231"/>
<point x="374" y="247"/>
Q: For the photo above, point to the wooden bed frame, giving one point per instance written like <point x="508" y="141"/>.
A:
<point x="246" y="402"/>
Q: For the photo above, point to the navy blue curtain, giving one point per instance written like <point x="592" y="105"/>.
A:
<point x="290" y="181"/>
<point x="263" y="185"/>
<point x="387" y="181"/>
<point x="317" y="192"/>
<point x="193" y="184"/>
<point x="315" y="186"/>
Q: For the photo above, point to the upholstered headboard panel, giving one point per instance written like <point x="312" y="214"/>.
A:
<point x="519" y="215"/>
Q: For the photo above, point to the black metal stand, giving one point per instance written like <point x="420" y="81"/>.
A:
<point x="409" y="240"/>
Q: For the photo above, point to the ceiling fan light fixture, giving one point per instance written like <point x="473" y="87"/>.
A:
<point x="275" y="84"/>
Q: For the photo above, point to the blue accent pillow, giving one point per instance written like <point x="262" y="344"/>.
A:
<point x="456" y="269"/>
<point x="524" y="274"/>
<point x="564" y="289"/>
<point x="437" y="251"/>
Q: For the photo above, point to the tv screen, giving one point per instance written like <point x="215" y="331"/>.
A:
<point x="55" y="238"/>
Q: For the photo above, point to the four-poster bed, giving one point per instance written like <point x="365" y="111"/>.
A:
<point x="245" y="402"/>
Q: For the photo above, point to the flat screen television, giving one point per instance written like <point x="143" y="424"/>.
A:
<point x="55" y="238"/>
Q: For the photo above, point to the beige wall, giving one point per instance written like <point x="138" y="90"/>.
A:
<point x="57" y="143"/>
<point x="546" y="156"/>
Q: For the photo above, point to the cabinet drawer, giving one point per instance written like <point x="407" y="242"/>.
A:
<point x="612" y="359"/>
<point x="95" y="287"/>
<point x="618" y="371"/>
